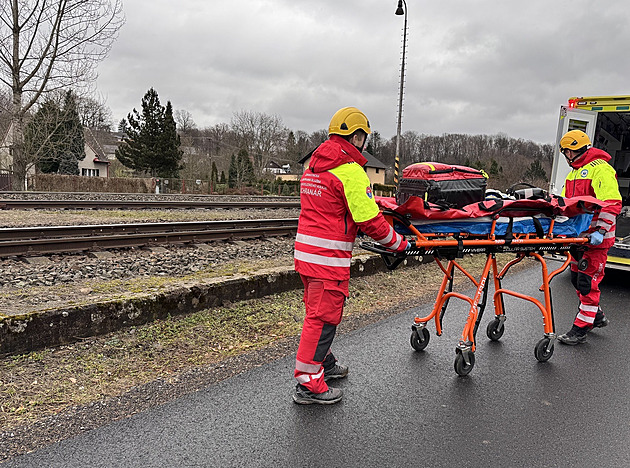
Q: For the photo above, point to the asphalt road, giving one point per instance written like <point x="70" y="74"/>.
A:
<point x="401" y="407"/>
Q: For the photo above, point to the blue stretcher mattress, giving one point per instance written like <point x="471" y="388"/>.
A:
<point x="569" y="227"/>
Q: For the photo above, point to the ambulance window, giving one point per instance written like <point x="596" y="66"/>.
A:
<point x="575" y="124"/>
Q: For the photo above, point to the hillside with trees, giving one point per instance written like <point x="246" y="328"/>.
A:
<point x="507" y="160"/>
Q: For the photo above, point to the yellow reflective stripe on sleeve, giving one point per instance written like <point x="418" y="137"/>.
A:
<point x="356" y="187"/>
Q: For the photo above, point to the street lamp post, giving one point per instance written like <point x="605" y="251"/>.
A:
<point x="400" y="11"/>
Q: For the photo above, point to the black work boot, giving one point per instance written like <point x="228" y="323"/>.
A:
<point x="600" y="320"/>
<point x="574" y="336"/>
<point x="303" y="396"/>
<point x="332" y="369"/>
<point x="338" y="371"/>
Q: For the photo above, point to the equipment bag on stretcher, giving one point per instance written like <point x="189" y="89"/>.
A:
<point x="444" y="184"/>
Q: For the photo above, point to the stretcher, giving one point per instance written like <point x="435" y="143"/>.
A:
<point x="507" y="230"/>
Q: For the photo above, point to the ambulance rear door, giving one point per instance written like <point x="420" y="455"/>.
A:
<point x="570" y="119"/>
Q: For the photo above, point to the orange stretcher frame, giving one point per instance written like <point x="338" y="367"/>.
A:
<point x="455" y="245"/>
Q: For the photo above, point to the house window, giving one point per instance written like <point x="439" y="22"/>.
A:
<point x="90" y="172"/>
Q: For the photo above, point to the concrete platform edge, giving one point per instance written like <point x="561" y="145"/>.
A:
<point x="53" y="327"/>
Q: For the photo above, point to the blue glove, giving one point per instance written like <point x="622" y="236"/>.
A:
<point x="596" y="238"/>
<point x="410" y="246"/>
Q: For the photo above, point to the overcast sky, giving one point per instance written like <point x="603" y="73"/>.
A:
<point x="483" y="66"/>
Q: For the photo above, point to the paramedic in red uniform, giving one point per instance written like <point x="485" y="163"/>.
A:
<point x="336" y="201"/>
<point x="590" y="175"/>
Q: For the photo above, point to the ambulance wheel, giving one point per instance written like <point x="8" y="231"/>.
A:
<point x="495" y="330"/>
<point x="541" y="352"/>
<point x="420" y="339"/>
<point x="461" y="367"/>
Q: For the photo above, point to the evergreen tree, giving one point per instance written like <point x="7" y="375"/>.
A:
<point x="495" y="169"/>
<point x="369" y="148"/>
<point x="375" y="144"/>
<point x="245" y="169"/>
<point x="222" y="179"/>
<point x="169" y="163"/>
<point x="232" y="173"/>
<point x="54" y="137"/>
<point x="291" y="147"/>
<point x="249" y="176"/>
<point x="151" y="143"/>
<point x="42" y="137"/>
<point x="535" y="171"/>
<point x="214" y="174"/>
<point x="74" y="138"/>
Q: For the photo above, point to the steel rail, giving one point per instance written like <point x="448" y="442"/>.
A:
<point x="139" y="205"/>
<point x="249" y="229"/>
<point x="49" y="232"/>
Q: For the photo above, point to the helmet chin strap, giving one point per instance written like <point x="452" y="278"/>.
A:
<point x="577" y="156"/>
<point x="360" y="148"/>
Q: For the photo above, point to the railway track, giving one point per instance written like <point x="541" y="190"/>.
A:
<point x="140" y="205"/>
<point x="46" y="240"/>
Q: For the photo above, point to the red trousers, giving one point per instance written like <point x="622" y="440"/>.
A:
<point x="324" y="300"/>
<point x="587" y="271"/>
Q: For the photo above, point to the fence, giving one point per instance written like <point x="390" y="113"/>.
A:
<point x="72" y="183"/>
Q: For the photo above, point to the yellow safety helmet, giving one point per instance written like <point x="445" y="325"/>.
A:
<point x="574" y="140"/>
<point x="348" y="120"/>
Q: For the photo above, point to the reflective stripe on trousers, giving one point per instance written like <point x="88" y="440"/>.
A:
<point x="587" y="271"/>
<point x="323" y="300"/>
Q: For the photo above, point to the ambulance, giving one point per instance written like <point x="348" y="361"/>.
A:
<point x="606" y="120"/>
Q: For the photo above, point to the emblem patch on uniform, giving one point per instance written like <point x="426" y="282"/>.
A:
<point x="368" y="192"/>
<point x="584" y="173"/>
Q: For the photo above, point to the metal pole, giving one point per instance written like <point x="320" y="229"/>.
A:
<point x="400" y="95"/>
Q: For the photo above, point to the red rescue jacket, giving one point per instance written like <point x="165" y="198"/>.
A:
<point x="591" y="175"/>
<point x="336" y="201"/>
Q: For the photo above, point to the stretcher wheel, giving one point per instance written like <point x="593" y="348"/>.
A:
<point x="460" y="363"/>
<point x="420" y="339"/>
<point x="495" y="330"/>
<point x="541" y="352"/>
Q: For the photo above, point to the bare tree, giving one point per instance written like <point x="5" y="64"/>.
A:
<point x="317" y="138"/>
<point x="262" y="135"/>
<point x="5" y="121"/>
<point x="48" y="45"/>
<point x="185" y="122"/>
<point x="94" y="114"/>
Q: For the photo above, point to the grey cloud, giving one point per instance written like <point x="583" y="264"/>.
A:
<point x="473" y="67"/>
